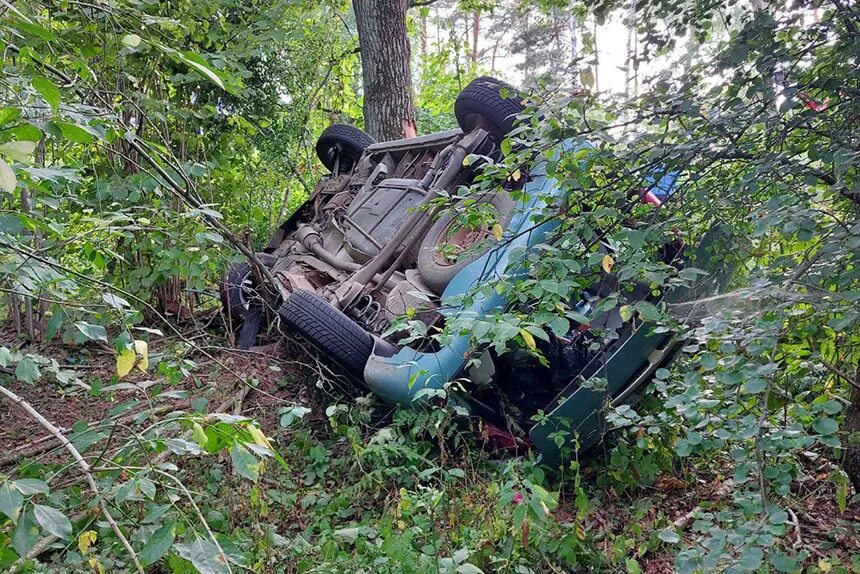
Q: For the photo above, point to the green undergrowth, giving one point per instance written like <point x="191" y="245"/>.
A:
<point x="418" y="492"/>
<point x="353" y="487"/>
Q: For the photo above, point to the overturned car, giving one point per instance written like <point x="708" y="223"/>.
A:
<point x="371" y="245"/>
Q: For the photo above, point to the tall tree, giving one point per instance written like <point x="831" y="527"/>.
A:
<point x="389" y="108"/>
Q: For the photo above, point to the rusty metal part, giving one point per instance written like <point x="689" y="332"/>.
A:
<point x="462" y="240"/>
<point x="458" y="152"/>
<point x="421" y="230"/>
<point x="347" y="294"/>
<point x="408" y="295"/>
<point x="355" y="226"/>
<point x="293" y="279"/>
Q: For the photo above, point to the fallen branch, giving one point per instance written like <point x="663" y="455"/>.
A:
<point x="798" y="540"/>
<point x="42" y="545"/>
<point x="84" y="466"/>
<point x="723" y="490"/>
<point x="50" y="442"/>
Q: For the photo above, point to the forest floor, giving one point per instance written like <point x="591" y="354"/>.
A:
<point x="263" y="382"/>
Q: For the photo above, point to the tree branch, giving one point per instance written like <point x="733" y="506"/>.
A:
<point x="84" y="466"/>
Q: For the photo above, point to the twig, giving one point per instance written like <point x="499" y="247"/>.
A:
<point x="237" y="405"/>
<point x="84" y="466"/>
<point x="43" y="544"/>
<point x="798" y="541"/>
<point x="762" y="482"/>
<point x="723" y="490"/>
<point x="222" y="408"/>
<point x="49" y="442"/>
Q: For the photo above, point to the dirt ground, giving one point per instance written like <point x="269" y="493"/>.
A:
<point x="267" y="375"/>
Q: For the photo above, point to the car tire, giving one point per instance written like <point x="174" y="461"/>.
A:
<point x="329" y="330"/>
<point x="347" y="141"/>
<point x="237" y="300"/>
<point x="434" y="270"/>
<point x="481" y="104"/>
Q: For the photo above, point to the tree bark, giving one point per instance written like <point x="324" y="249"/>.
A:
<point x="389" y="108"/>
<point x="851" y="464"/>
<point x="574" y="50"/>
<point x="476" y="32"/>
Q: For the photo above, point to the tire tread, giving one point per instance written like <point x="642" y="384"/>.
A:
<point x="328" y="329"/>
<point x="353" y="141"/>
<point x="481" y="96"/>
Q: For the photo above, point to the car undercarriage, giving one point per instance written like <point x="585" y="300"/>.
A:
<point x="382" y="238"/>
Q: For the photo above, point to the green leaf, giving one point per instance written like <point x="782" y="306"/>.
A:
<point x="560" y="326"/>
<point x="825" y="425"/>
<point x="708" y="361"/>
<point x="8" y="115"/>
<point x="244" y="462"/>
<point x="27" y="132"/>
<point x="158" y="544"/>
<point x="842" y="496"/>
<point x="26" y="534"/>
<point x="11" y="501"/>
<point x="348" y="535"/>
<point x="8" y="181"/>
<point x="92" y="332"/>
<point x="147" y="487"/>
<point x="468" y="569"/>
<point x="668" y="535"/>
<point x="754" y="386"/>
<point x="131" y="40"/>
<point x="683" y="447"/>
<point x="199" y="435"/>
<point x="19" y="151"/>
<point x="30" y="486"/>
<point x="35" y="29"/>
<point x="626" y="312"/>
<point x="783" y="562"/>
<point x="751" y="559"/>
<point x="830" y="407"/>
<point x="290" y="414"/>
<point x="648" y="311"/>
<point x="5" y="356"/>
<point x="632" y="566"/>
<point x="74" y="133"/>
<point x="204" y="556"/>
<point x="202" y="66"/>
<point x="11" y="224"/>
<point x="27" y="371"/>
<point x="48" y="90"/>
<point x="586" y="77"/>
<point x="52" y="520"/>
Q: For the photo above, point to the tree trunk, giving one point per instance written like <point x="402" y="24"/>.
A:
<point x="424" y="33"/>
<point x="389" y="110"/>
<point x="476" y="31"/>
<point x="574" y="49"/>
<point x="851" y="465"/>
<point x="596" y="59"/>
<point x="630" y="64"/>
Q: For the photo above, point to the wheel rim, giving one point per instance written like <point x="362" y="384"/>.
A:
<point x="246" y="291"/>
